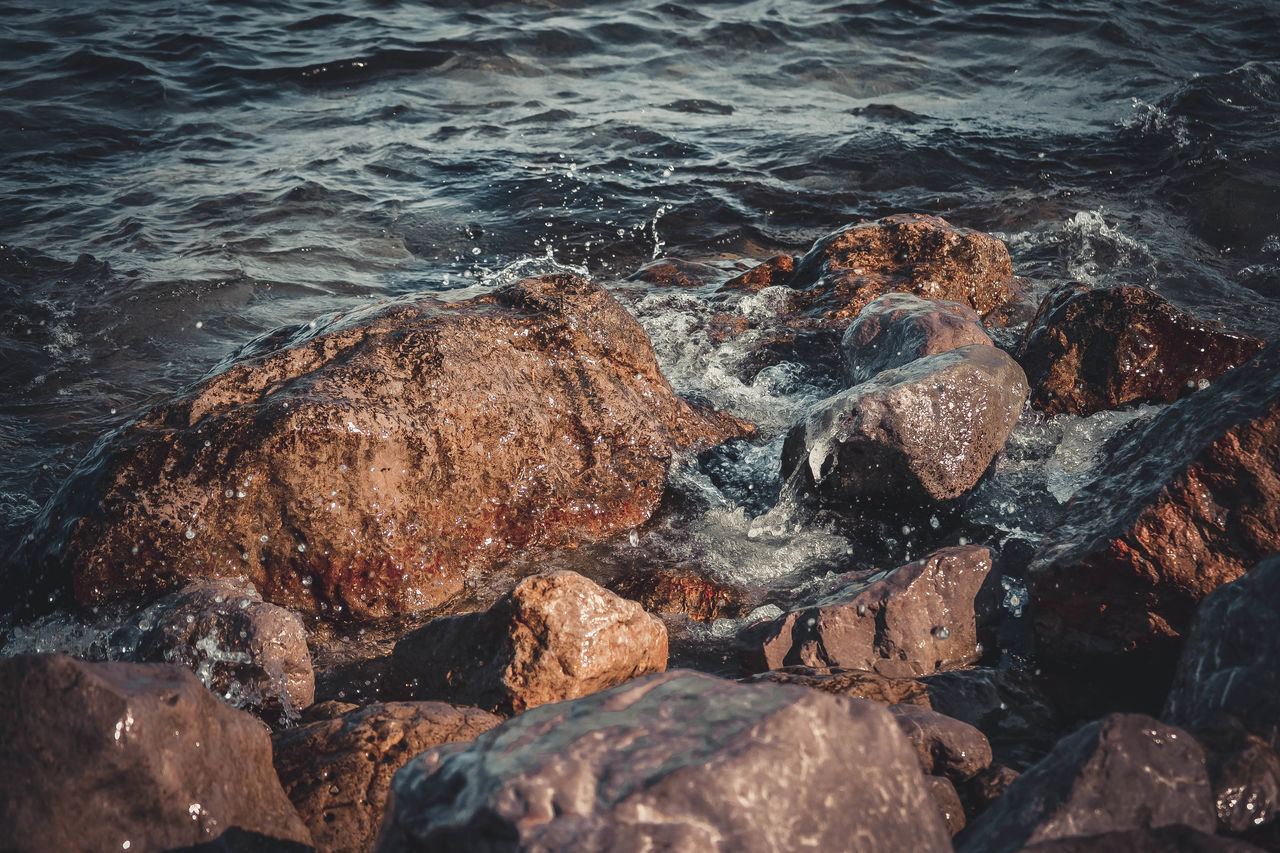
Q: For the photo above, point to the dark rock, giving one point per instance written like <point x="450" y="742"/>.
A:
<point x="1005" y="705"/>
<point x="253" y="655"/>
<point x="948" y="802"/>
<point x="1088" y="350"/>
<point x="236" y="840"/>
<point x="680" y="590"/>
<point x="555" y="636"/>
<point x="680" y="761"/>
<point x="1124" y="772"/>
<point x="673" y="272"/>
<point x="97" y="755"/>
<point x="338" y="772"/>
<point x="946" y="746"/>
<point x="911" y="437"/>
<point x="1244" y="771"/>
<point x="773" y="272"/>
<point x="326" y="710"/>
<point x="895" y="329"/>
<point x="1190" y="501"/>
<point x="360" y="467"/>
<point x="985" y="787"/>
<point x="1173" y="838"/>
<point x="917" y="619"/>
<point x="854" y="683"/>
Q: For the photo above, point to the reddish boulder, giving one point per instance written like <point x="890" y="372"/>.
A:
<point x="897" y="328"/>
<point x="946" y="746"/>
<point x="679" y="761"/>
<point x="554" y="637"/>
<point x="1088" y="350"/>
<point x="680" y="590"/>
<point x="917" y="619"/>
<point x="113" y="756"/>
<point x="773" y="272"/>
<point x="338" y="772"/>
<point x="673" y="272"/>
<point x="360" y="467"/>
<point x="854" y="683"/>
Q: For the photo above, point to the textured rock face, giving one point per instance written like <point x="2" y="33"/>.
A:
<point x="1173" y="838"/>
<point x="1005" y="705"/>
<point x="918" y="619"/>
<point x="112" y="753"/>
<point x="1244" y="771"/>
<point x="338" y="772"/>
<point x="773" y="272"/>
<point x="946" y="746"/>
<point x="912" y="436"/>
<point x="1124" y="772"/>
<point x="679" y="761"/>
<point x="1088" y="350"/>
<point x="358" y="469"/>
<point x="854" y="683"/>
<point x="1190" y="501"/>
<point x="252" y="654"/>
<point x="948" y="802"/>
<point x="662" y="590"/>
<point x="554" y="637"/>
<point x="897" y="328"/>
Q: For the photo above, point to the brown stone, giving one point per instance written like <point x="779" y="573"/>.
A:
<point x="948" y="801"/>
<point x="1173" y="838"/>
<point x="673" y="272"/>
<point x="678" y="761"/>
<point x="361" y="467"/>
<point x="338" y="772"/>
<point x="854" y="683"/>
<point x="1006" y="705"/>
<point x="773" y="272"/>
<point x="1190" y="501"/>
<point x="100" y="756"/>
<point x="678" y="590"/>
<point x="917" y="619"/>
<point x="946" y="746"/>
<point x="554" y="637"/>
<point x="985" y="787"/>
<point x="1088" y="350"/>
<point x="897" y="328"/>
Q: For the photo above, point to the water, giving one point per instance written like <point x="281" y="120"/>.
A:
<point x="176" y="182"/>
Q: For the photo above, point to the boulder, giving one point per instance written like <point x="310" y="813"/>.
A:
<point x="112" y="756"/>
<point x="948" y="802"/>
<point x="674" y="272"/>
<point x="252" y="654"/>
<point x="911" y="437"/>
<point x="985" y="787"/>
<point x="1173" y="838"/>
<point x="773" y="272"/>
<point x="917" y="619"/>
<point x="360" y="466"/>
<point x="1088" y="350"/>
<point x="854" y="683"/>
<point x="1190" y="501"/>
<point x="1006" y="705"/>
<point x="338" y="772"/>
<point x="946" y="746"/>
<point x="1123" y="772"/>
<point x="1244" y="772"/>
<point x="680" y="590"/>
<point x="555" y="636"/>
<point x="678" y="761"/>
<point x="897" y="328"/>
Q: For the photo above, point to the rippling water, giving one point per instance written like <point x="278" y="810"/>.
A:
<point x="179" y="179"/>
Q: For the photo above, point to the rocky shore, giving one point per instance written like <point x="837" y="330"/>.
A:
<point x="370" y="589"/>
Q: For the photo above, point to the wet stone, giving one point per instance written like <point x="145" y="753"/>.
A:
<point x="946" y="746"/>
<point x="680" y="590"/>
<point x="948" y="802"/>
<point x="854" y="683"/>
<point x="895" y="329"/>
<point x="773" y="272"/>
<point x="1174" y="838"/>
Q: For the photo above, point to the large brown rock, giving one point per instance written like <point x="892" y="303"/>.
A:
<point x="910" y="437"/>
<point x="1124" y="772"/>
<point x="895" y="329"/>
<point x="359" y="467"/>
<point x="915" y="620"/>
<point x="555" y="636"/>
<point x="338" y="772"/>
<point x="1190" y="501"/>
<point x="1089" y="349"/>
<point x="946" y="746"/>
<point x="680" y="761"/>
<point x="854" y="683"/>
<point x="114" y="756"/>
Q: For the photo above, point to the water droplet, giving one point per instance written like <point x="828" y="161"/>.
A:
<point x="942" y="632"/>
<point x="634" y="539"/>
<point x="263" y="538"/>
<point x="301" y="547"/>
<point x="231" y="493"/>
<point x="191" y="534"/>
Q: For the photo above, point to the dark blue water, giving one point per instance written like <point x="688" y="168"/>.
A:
<point x="177" y="178"/>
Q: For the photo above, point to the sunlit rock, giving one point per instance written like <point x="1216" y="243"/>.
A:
<point x="897" y="328"/>
<point x="679" y="590"/>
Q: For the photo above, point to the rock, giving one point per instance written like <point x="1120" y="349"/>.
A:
<point x="1244" y="772"/>
<point x="253" y="655"/>
<point x="673" y="272"/>
<point x="854" y="683"/>
<point x="1173" y="838"/>
<point x="917" y="619"/>
<point x="359" y="467"/>
<point x="338" y="772"/>
<point x="948" y="802"/>
<point x="774" y="272"/>
<point x="1123" y="772"/>
<point x="110" y="754"/>
<point x="1005" y="705"/>
<point x="680" y="590"/>
<point x="1190" y="501"/>
<point x="911" y="437"/>
<point x="679" y="761"/>
<point x="897" y="328"/>
<point x="946" y="746"/>
<point x="326" y="710"/>
<point x="985" y="787"/>
<point x="1088" y="350"/>
<point x="554" y="637"/>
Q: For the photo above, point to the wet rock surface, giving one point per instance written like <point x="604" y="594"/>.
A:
<point x="679" y="590"/>
<point x="914" y="620"/>
<point x="554" y="637"/>
<point x="1174" y="838"/>
<point x="158" y="761"/>
<point x="911" y="437"/>
<point x="1244" y="772"/>
<point x="359" y="467"/>
<point x="1006" y="705"/>
<point x="1190" y="501"/>
<point x="854" y="683"/>
<point x="338" y="772"/>
<point x="948" y="802"/>
<point x="1123" y="772"/>
<point x="946" y="746"/>
<point x="677" y="761"/>
<point x="895" y="329"/>
<point x="1088" y="350"/>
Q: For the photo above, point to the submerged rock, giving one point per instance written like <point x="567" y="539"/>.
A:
<point x="773" y="272"/>
<point x="360" y="467"/>
<point x="895" y="329"/>
<point x="1088" y="350"/>
<point x="674" y="272"/>
<point x="917" y="619"/>
<point x="113" y="756"/>
<point x="338" y="772"/>
<point x="680" y="590"/>
<point x="1189" y="502"/>
<point x="912" y="436"/>
<point x="679" y="761"/>
<point x="554" y="637"/>
<point x="854" y="683"/>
